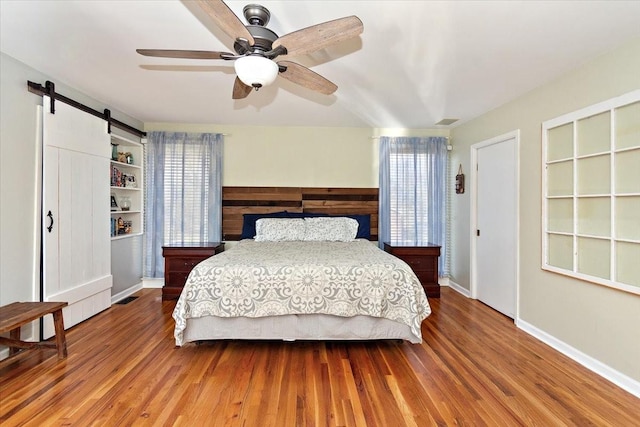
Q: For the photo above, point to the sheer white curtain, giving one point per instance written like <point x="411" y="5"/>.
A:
<point x="413" y="177"/>
<point x="183" y="192"/>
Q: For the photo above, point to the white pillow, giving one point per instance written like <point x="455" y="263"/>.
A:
<point x="279" y="229"/>
<point x="332" y="229"/>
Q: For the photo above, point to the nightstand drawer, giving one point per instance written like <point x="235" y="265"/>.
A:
<point x="420" y="263"/>
<point x="427" y="277"/>
<point x="176" y="278"/>
<point x="182" y="264"/>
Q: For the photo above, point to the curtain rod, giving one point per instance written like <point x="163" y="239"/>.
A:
<point x="380" y="136"/>
<point x="175" y="131"/>
<point x="50" y="90"/>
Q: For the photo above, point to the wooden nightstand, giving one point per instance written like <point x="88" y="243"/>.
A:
<point x="423" y="260"/>
<point x="179" y="260"/>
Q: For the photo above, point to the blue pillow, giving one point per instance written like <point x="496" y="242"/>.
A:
<point x="305" y="215"/>
<point x="364" y="225"/>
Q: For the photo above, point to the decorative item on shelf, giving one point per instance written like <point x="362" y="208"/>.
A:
<point x="120" y="225"/>
<point x="460" y="181"/>
<point x="130" y="182"/>
<point x="125" y="203"/>
<point x="116" y="176"/>
<point x="114" y="151"/>
<point x="122" y="157"/>
<point x="121" y="179"/>
<point x="129" y="157"/>
<point x="114" y="204"/>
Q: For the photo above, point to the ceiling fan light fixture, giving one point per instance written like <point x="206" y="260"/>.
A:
<point x="256" y="71"/>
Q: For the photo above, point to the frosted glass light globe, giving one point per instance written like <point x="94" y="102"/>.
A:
<point x="256" y="71"/>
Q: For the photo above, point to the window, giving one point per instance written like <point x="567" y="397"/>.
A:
<point x="188" y="193"/>
<point x="591" y="181"/>
<point x="183" y="175"/>
<point x="413" y="177"/>
<point x="409" y="201"/>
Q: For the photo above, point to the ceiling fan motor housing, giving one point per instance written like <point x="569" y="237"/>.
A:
<point x="258" y="17"/>
<point x="263" y="39"/>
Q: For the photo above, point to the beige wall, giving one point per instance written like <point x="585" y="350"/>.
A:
<point x="601" y="322"/>
<point x="298" y="156"/>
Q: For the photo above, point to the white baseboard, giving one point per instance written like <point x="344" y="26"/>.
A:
<point x="464" y="291"/>
<point x="152" y="283"/>
<point x="127" y="292"/>
<point x="623" y="381"/>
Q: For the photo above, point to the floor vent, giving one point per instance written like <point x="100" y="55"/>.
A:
<point x="126" y="300"/>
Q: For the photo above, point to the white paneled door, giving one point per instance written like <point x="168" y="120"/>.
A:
<point x="496" y="239"/>
<point x="75" y="193"/>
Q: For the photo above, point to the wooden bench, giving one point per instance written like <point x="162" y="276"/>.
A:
<point x="17" y="314"/>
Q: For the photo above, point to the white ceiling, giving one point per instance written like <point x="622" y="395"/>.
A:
<point x="416" y="63"/>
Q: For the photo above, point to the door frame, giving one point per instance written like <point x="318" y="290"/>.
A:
<point x="473" y="193"/>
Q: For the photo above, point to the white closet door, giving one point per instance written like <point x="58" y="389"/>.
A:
<point x="497" y="235"/>
<point x="76" y="242"/>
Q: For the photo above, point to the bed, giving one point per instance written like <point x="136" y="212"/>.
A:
<point x="301" y="276"/>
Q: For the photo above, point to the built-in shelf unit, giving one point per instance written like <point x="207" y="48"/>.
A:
<point x="126" y="188"/>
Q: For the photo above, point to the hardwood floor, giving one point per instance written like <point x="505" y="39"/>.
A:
<point x="473" y="368"/>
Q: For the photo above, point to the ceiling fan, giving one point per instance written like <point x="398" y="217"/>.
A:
<point x="256" y="47"/>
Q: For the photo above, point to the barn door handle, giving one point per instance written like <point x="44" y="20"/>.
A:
<point x="50" y="227"/>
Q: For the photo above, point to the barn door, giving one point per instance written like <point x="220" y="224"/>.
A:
<point x="75" y="193"/>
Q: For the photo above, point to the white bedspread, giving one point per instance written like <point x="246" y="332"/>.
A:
<point x="259" y="279"/>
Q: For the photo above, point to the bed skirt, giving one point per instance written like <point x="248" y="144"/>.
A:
<point x="294" y="327"/>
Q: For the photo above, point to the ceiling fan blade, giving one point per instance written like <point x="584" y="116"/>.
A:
<point x="319" y="36"/>
<point x="189" y="54"/>
<point x="303" y="76"/>
<point x="240" y="90"/>
<point x="225" y="19"/>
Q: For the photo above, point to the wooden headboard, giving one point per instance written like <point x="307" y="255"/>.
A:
<point x="237" y="201"/>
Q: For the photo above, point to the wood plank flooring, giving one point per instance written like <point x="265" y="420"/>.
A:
<point x="474" y="368"/>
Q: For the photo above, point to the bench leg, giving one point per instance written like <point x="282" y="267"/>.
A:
<point x="14" y="334"/>
<point x="61" y="341"/>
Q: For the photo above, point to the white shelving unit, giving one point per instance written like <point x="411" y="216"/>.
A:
<point x="126" y="184"/>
